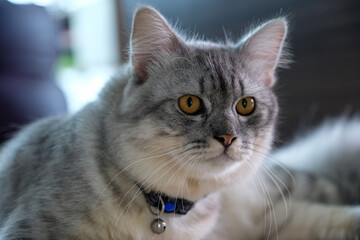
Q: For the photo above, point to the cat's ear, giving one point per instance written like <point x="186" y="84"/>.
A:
<point x="151" y="36"/>
<point x="264" y="51"/>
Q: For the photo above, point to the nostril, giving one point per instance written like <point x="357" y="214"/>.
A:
<point x="220" y="139"/>
<point x="225" y="140"/>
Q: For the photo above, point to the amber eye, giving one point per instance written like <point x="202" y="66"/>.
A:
<point x="245" y="106"/>
<point x="189" y="104"/>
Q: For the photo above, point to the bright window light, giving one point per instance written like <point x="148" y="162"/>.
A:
<point x="36" y="2"/>
<point x="69" y="5"/>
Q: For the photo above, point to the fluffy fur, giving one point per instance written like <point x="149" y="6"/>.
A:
<point x="78" y="177"/>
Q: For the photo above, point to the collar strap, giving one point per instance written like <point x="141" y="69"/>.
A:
<point x="172" y="205"/>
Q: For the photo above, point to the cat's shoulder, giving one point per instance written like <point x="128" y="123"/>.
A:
<point x="113" y="89"/>
<point x="28" y="135"/>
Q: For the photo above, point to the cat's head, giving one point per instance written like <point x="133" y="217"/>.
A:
<point x="196" y="115"/>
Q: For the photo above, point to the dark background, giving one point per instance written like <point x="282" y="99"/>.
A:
<point x="324" y="79"/>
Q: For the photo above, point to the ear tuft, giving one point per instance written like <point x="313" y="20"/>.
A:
<point x="264" y="49"/>
<point x="151" y="36"/>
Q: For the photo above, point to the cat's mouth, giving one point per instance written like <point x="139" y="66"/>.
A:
<point x="223" y="156"/>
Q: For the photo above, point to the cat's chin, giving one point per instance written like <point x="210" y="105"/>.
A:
<point x="218" y="166"/>
<point x="223" y="158"/>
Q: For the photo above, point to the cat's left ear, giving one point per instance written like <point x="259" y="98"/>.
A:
<point x="151" y="38"/>
<point x="263" y="50"/>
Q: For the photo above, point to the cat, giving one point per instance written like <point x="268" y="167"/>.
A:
<point x="175" y="147"/>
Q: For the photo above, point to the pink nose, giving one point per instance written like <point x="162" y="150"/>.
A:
<point x="226" y="140"/>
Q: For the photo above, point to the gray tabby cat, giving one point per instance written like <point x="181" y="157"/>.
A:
<point x="178" y="139"/>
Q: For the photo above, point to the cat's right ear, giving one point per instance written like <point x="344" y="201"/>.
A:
<point x="151" y="36"/>
<point x="263" y="50"/>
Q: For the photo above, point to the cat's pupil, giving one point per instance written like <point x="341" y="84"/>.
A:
<point x="244" y="103"/>
<point x="189" y="102"/>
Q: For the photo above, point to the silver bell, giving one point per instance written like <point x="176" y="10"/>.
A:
<point x="158" y="226"/>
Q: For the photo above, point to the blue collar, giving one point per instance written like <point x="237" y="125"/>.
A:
<point x="172" y="205"/>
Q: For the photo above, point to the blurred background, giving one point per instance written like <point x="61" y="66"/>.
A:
<point x="55" y="55"/>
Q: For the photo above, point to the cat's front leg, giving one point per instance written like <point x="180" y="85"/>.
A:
<point x="320" y="221"/>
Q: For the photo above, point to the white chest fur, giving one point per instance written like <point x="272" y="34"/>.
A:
<point x="115" y="222"/>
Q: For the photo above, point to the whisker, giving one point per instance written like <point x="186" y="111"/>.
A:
<point x="146" y="177"/>
<point x="132" y="164"/>
<point x="272" y="208"/>
<point x="139" y="191"/>
<point x="184" y="178"/>
<point x="277" y="162"/>
<point x="271" y="176"/>
<point x="271" y="158"/>
<point x="267" y="203"/>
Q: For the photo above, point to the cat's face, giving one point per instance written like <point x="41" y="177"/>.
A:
<point x="196" y="111"/>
